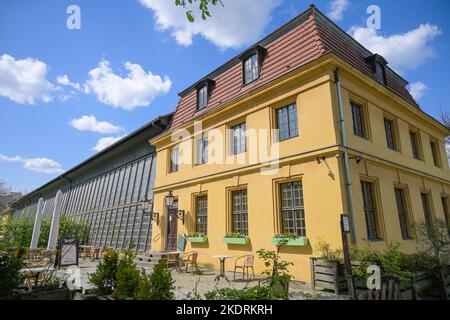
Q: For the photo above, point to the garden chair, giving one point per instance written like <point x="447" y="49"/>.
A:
<point x="89" y="253"/>
<point x="106" y="251"/>
<point x="245" y="263"/>
<point x="189" y="259"/>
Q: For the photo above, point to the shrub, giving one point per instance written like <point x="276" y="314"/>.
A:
<point x="128" y="278"/>
<point x="161" y="282"/>
<point x="255" y="293"/>
<point x="104" y="278"/>
<point x="391" y="262"/>
<point x="18" y="233"/>
<point x="326" y="252"/>
<point x="10" y="264"/>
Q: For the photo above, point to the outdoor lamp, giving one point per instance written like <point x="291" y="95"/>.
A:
<point x="147" y="208"/>
<point x="169" y="199"/>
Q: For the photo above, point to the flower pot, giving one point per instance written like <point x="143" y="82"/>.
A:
<point x="238" y="241"/>
<point x="198" y="239"/>
<point x="292" y="242"/>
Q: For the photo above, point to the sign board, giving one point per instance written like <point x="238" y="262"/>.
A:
<point x="68" y="252"/>
<point x="345" y="223"/>
<point x="181" y="242"/>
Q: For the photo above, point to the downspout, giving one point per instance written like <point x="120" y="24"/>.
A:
<point x="346" y="157"/>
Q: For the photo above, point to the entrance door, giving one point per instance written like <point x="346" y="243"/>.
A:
<point x="172" y="228"/>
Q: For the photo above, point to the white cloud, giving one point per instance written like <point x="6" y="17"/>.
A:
<point x="90" y="123"/>
<point x="405" y="51"/>
<point x="337" y="9"/>
<point x="24" y="81"/>
<point x="104" y="143"/>
<point x="232" y="26"/>
<point x="137" y="89"/>
<point x="65" y="81"/>
<point x="417" y="90"/>
<point x="41" y="165"/>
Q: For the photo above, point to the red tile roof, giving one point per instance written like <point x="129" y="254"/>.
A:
<point x="304" y="39"/>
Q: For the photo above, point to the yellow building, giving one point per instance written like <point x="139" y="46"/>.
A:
<point x="290" y="90"/>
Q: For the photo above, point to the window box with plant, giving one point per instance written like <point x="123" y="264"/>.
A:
<point x="236" y="238"/>
<point x="197" y="237"/>
<point x="291" y="240"/>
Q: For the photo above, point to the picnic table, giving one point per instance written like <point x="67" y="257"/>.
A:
<point x="222" y="259"/>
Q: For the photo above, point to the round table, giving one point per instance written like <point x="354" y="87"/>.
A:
<point x="222" y="259"/>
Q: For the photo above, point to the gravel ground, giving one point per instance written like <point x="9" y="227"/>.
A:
<point x="188" y="283"/>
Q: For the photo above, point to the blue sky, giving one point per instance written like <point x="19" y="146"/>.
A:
<point x="63" y="92"/>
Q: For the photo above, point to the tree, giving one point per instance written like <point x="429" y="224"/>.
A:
<point x="5" y="190"/>
<point x="435" y="237"/>
<point x="203" y="7"/>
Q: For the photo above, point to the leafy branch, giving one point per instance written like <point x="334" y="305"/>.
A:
<point x="203" y="7"/>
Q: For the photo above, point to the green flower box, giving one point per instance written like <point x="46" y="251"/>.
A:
<point x="198" y="239"/>
<point x="296" y="242"/>
<point x="241" y="241"/>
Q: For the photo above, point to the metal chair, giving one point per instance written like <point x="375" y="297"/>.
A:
<point x="245" y="263"/>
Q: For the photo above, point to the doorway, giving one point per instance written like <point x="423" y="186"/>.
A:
<point x="172" y="228"/>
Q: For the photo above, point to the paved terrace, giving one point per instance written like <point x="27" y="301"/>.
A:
<point x="185" y="283"/>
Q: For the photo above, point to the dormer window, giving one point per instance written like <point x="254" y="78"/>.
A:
<point x="378" y="65"/>
<point x="252" y="61"/>
<point x="379" y="73"/>
<point x="204" y="89"/>
<point x="202" y="97"/>
<point x="251" y="69"/>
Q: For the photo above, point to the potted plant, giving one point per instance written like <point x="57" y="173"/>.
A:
<point x="277" y="271"/>
<point x="236" y="238"/>
<point x="197" y="237"/>
<point x="291" y="240"/>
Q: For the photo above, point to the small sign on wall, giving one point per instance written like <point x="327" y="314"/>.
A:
<point x="181" y="242"/>
<point x="68" y="252"/>
<point x="345" y="223"/>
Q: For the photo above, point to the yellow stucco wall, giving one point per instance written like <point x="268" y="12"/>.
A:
<point x="313" y="90"/>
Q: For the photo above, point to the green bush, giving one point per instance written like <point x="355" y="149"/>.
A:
<point x="327" y="253"/>
<point x="104" y="278"/>
<point x="18" y="233"/>
<point x="391" y="261"/>
<point x="10" y="264"/>
<point x="161" y="282"/>
<point x="128" y="278"/>
<point x="254" y="293"/>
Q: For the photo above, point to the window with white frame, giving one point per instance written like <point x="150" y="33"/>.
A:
<point x="239" y="140"/>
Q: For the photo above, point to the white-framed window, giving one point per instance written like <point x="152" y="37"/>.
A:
<point x="251" y="69"/>
<point x="175" y="159"/>
<point x="202" y="97"/>
<point x="239" y="140"/>
<point x="202" y="150"/>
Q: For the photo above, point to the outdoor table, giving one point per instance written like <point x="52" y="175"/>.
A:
<point x="222" y="259"/>
<point x="36" y="272"/>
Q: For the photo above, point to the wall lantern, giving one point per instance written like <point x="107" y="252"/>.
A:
<point x="147" y="208"/>
<point x="169" y="204"/>
<point x="169" y="200"/>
